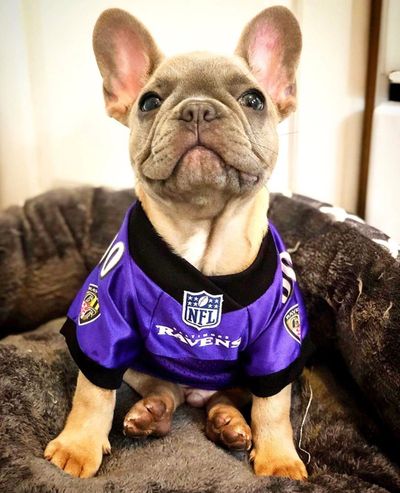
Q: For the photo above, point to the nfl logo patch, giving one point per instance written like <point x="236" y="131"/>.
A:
<point x="292" y="323"/>
<point x="90" y="308"/>
<point x="201" y="310"/>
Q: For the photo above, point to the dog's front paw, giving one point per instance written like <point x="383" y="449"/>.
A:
<point x="266" y="464"/>
<point x="227" y="426"/>
<point x="150" y="416"/>
<point x="77" y="455"/>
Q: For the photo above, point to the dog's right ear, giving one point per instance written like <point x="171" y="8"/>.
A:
<point x="126" y="55"/>
<point x="271" y="46"/>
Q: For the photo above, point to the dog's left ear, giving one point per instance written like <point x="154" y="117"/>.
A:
<point x="126" y="55"/>
<point x="271" y="46"/>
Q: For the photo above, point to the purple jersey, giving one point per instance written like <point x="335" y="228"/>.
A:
<point x="146" y="308"/>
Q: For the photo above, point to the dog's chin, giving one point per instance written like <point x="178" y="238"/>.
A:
<point x="201" y="177"/>
<point x="200" y="166"/>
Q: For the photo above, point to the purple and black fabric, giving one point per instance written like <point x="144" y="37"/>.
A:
<point x="146" y="308"/>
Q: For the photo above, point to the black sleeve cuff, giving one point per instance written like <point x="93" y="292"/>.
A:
<point x="268" y="385"/>
<point x="107" y="378"/>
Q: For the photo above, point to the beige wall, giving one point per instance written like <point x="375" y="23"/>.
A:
<point x="53" y="129"/>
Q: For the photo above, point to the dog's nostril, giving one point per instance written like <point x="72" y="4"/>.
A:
<point x="209" y="114"/>
<point x="198" y="112"/>
<point x="188" y="114"/>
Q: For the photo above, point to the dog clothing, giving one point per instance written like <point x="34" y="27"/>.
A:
<point x="144" y="307"/>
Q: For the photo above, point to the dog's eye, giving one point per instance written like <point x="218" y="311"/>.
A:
<point x="149" y="101"/>
<point x="252" y="99"/>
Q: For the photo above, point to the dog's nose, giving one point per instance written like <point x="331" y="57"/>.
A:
<point x="197" y="111"/>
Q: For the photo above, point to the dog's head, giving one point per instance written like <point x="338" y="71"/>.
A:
<point x="203" y="127"/>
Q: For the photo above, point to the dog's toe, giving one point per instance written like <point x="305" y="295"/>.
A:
<point x="75" y="455"/>
<point x="290" y="466"/>
<point x="150" y="416"/>
<point x="230" y="429"/>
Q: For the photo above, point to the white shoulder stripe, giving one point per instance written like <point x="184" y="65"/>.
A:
<point x="286" y="256"/>
<point x="289" y="272"/>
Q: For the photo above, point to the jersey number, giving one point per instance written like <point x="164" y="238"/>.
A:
<point x="111" y="257"/>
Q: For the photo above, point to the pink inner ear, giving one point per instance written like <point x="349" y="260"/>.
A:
<point x="265" y="56"/>
<point x="131" y="65"/>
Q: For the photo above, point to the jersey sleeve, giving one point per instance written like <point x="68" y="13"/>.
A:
<point x="277" y="354"/>
<point x="100" y="329"/>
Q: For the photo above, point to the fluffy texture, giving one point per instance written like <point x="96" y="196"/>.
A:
<point x="351" y="286"/>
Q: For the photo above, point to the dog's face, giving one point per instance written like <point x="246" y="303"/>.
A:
<point x="202" y="140"/>
<point x="203" y="127"/>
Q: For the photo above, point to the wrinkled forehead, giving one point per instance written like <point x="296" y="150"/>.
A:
<point x="202" y="73"/>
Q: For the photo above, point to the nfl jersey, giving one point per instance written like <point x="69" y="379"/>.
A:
<point x="146" y="308"/>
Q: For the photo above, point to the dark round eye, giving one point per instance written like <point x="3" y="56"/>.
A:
<point x="150" y="101"/>
<point x="252" y="99"/>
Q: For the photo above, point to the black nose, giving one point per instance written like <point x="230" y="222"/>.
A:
<point x="198" y="111"/>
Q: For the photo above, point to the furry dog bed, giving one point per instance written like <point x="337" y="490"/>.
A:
<point x="349" y="273"/>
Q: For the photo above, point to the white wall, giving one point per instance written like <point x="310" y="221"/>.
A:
<point x="383" y="182"/>
<point x="389" y="47"/>
<point x="331" y="99"/>
<point x="55" y="130"/>
<point x="18" y="158"/>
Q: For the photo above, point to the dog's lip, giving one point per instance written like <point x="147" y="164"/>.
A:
<point x="201" y="147"/>
<point x="244" y="175"/>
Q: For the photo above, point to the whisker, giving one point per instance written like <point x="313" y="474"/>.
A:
<point x="261" y="134"/>
<point x="263" y="147"/>
<point x="288" y="133"/>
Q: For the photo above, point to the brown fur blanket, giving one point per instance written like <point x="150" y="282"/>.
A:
<point x="349" y="273"/>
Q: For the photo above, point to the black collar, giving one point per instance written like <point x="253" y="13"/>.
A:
<point x="174" y="274"/>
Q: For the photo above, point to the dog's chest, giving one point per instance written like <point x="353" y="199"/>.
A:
<point x="194" y="249"/>
<point x="219" y="253"/>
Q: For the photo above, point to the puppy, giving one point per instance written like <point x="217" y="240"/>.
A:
<point x="196" y="299"/>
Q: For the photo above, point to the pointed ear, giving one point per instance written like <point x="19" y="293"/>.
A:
<point x="271" y="46"/>
<point x="126" y="55"/>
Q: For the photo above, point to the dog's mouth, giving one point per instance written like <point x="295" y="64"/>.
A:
<point x="198" y="155"/>
<point x="201" y="161"/>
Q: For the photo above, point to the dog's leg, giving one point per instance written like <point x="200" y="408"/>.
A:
<point x="79" y="448"/>
<point x="225" y="423"/>
<point x="152" y="415"/>
<point x="274" y="453"/>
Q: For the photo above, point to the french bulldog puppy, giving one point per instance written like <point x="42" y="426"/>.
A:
<point x="203" y="143"/>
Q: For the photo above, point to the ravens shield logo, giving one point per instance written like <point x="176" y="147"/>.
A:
<point x="90" y="308"/>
